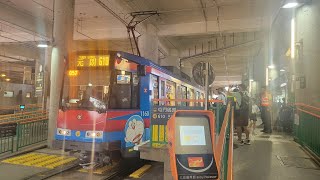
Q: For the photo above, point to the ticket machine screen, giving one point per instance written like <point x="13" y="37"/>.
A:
<point x="192" y="136"/>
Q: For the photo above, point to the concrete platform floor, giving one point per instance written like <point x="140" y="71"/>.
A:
<point x="269" y="157"/>
<point x="265" y="159"/>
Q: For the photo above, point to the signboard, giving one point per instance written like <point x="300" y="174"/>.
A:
<point x="39" y="84"/>
<point x="93" y="60"/>
<point x="73" y="73"/>
<point x="301" y="82"/>
<point x="161" y="114"/>
<point x="123" y="79"/>
<point x="22" y="107"/>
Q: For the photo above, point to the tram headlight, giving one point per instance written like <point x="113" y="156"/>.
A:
<point x="94" y="134"/>
<point x="63" y="132"/>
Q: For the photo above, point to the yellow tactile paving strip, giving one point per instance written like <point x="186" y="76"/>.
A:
<point x="138" y="173"/>
<point x="101" y="170"/>
<point x="40" y="160"/>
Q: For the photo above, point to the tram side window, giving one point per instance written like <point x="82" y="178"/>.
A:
<point x="184" y="95"/>
<point x="155" y="88"/>
<point x="170" y="92"/>
<point x="197" y="98"/>
<point x="191" y="96"/>
<point x="135" y="91"/>
<point x="125" y="91"/>
<point x="162" y="92"/>
<point x="202" y="98"/>
<point x="179" y="95"/>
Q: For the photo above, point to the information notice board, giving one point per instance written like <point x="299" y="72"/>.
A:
<point x="161" y="114"/>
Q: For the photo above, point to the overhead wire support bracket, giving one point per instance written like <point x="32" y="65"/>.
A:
<point x="133" y="23"/>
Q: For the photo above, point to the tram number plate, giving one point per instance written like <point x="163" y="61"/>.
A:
<point x="145" y="113"/>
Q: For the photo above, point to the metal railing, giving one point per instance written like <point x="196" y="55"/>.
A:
<point x="307" y="127"/>
<point x="32" y="132"/>
<point x="22" y="116"/>
<point x="28" y="107"/>
<point x="7" y="133"/>
<point x="23" y="132"/>
<point x="224" y="147"/>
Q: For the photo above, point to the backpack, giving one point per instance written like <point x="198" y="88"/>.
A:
<point x="245" y="102"/>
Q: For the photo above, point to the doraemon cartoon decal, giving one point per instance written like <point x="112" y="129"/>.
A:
<point x="134" y="131"/>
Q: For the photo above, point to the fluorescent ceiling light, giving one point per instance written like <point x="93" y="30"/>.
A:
<point x="42" y="45"/>
<point x="283" y="84"/>
<point x="290" y="5"/>
<point x="282" y="70"/>
<point x="251" y="80"/>
<point x="271" y="66"/>
<point x="8" y="79"/>
<point x="3" y="75"/>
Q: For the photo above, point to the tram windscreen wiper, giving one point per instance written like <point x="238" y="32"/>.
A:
<point x="92" y="104"/>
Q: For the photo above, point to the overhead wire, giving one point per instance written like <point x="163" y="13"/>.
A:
<point x="204" y="14"/>
<point x="219" y="29"/>
<point x="111" y="12"/>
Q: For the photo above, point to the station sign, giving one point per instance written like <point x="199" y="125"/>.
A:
<point x="161" y="114"/>
<point x="93" y="61"/>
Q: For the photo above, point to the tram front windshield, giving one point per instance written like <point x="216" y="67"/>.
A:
<point x="86" y="89"/>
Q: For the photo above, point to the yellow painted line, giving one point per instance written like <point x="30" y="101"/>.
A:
<point x="138" y="173"/>
<point x="31" y="158"/>
<point x="51" y="161"/>
<point x="10" y="160"/>
<point x="40" y="160"/>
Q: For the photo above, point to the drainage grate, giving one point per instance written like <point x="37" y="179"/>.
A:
<point x="299" y="162"/>
<point x="264" y="136"/>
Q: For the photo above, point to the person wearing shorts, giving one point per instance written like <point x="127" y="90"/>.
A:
<point x="253" y="116"/>
<point x="241" y="118"/>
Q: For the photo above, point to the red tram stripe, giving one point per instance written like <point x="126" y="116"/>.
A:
<point x="119" y="125"/>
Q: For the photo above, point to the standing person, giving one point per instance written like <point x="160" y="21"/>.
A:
<point x="222" y="96"/>
<point x="253" y="116"/>
<point x="241" y="114"/>
<point x="19" y="98"/>
<point x="265" y="100"/>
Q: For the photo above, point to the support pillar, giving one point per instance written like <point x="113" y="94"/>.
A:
<point x="46" y="77"/>
<point x="62" y="44"/>
<point x="172" y="59"/>
<point x="148" y="43"/>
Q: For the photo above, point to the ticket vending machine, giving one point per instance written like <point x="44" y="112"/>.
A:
<point x="191" y="145"/>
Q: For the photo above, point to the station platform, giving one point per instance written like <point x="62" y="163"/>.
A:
<point x="43" y="162"/>
<point x="273" y="156"/>
<point x="269" y="157"/>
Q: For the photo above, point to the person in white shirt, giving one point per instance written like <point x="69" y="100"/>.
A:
<point x="253" y="115"/>
<point x="222" y="96"/>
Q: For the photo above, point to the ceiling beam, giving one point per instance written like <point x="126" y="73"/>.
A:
<point x="20" y="49"/>
<point x="210" y="27"/>
<point x="25" y="22"/>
